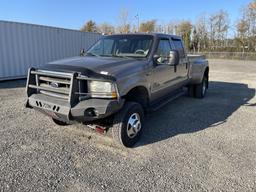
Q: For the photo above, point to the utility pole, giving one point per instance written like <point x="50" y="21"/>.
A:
<point x="175" y="29"/>
<point x="138" y="22"/>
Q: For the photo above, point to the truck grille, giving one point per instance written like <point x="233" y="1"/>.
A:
<point x="53" y="84"/>
<point x="55" y="87"/>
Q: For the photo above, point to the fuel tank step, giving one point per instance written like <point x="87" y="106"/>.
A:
<point x="170" y="97"/>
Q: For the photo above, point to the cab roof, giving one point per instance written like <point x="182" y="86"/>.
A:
<point x="159" y="35"/>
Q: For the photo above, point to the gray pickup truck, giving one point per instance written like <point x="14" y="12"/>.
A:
<point x="119" y="79"/>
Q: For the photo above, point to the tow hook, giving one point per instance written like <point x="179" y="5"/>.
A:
<point x="98" y="128"/>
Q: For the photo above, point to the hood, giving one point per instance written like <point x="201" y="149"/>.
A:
<point x="103" y="65"/>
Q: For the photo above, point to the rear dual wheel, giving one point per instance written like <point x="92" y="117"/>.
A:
<point x="198" y="90"/>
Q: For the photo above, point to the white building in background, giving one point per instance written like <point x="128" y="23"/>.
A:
<point x="26" y="45"/>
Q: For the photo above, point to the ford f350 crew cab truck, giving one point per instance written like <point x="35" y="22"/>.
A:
<point x="119" y="79"/>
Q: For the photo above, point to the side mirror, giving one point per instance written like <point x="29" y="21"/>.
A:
<point x="174" y="57"/>
<point x="155" y="58"/>
<point x="82" y="52"/>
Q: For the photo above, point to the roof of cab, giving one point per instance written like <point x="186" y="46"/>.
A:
<point x="153" y="34"/>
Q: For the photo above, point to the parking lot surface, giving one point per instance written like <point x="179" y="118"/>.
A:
<point x="188" y="145"/>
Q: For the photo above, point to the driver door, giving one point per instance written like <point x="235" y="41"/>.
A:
<point x="164" y="75"/>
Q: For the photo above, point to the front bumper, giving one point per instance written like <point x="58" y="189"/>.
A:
<point x="64" y="96"/>
<point x="83" y="111"/>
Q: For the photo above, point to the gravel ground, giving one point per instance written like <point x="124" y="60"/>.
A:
<point x="188" y="145"/>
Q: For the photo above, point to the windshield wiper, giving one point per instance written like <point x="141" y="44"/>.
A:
<point x="92" y="54"/>
<point x="113" y="55"/>
<point x="122" y="56"/>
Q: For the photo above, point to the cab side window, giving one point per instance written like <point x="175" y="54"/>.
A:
<point x="179" y="47"/>
<point x="163" y="50"/>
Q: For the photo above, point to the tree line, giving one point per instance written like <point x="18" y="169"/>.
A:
<point x="208" y="33"/>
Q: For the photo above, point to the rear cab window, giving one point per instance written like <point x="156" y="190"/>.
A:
<point x="178" y="44"/>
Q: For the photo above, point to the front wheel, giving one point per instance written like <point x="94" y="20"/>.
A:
<point x="128" y="124"/>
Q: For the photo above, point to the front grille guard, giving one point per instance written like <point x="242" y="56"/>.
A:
<point x="72" y="95"/>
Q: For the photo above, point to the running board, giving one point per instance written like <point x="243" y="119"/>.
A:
<point x="166" y="100"/>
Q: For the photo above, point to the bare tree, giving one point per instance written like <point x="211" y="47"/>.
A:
<point x="172" y="27"/>
<point x="246" y="27"/>
<point x="250" y="15"/>
<point x="168" y="28"/>
<point x="159" y="28"/>
<point x="89" y="26"/>
<point x="106" y="28"/>
<point x="219" y="25"/>
<point x="124" y="23"/>
<point x="202" y="33"/>
<point x="195" y="39"/>
<point x="184" y="30"/>
<point x="242" y="33"/>
<point x="207" y="33"/>
<point x="134" y="28"/>
<point x="148" y="26"/>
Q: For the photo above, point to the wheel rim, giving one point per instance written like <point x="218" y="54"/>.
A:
<point x="133" y="125"/>
<point x="204" y="87"/>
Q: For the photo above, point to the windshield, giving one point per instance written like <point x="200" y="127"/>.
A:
<point x="122" y="46"/>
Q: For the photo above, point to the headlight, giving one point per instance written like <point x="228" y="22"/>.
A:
<point x="102" y="89"/>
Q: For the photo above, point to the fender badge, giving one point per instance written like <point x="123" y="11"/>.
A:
<point x="104" y="72"/>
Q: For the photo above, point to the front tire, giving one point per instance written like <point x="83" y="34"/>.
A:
<point x="128" y="124"/>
